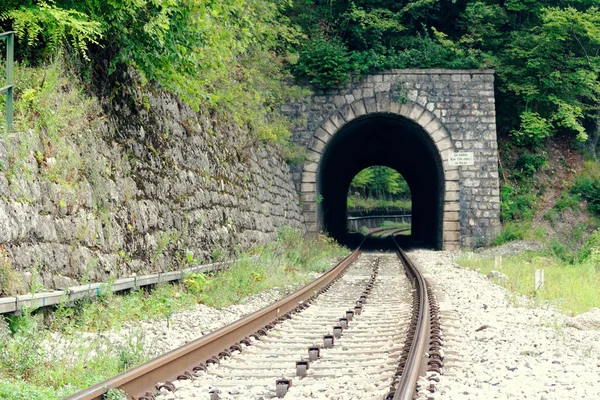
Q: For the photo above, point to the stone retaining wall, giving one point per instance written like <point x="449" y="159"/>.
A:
<point x="160" y="184"/>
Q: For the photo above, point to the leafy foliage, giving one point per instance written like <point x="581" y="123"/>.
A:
<point x="53" y="27"/>
<point x="518" y="202"/>
<point x="378" y="187"/>
<point x="324" y="63"/>
<point x="380" y="181"/>
<point x="221" y="55"/>
<point x="546" y="53"/>
<point x="587" y="186"/>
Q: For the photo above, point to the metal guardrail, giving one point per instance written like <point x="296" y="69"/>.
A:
<point x="74" y="293"/>
<point x="10" y="82"/>
<point x="379" y="216"/>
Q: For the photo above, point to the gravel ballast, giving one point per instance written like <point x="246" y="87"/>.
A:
<point x="157" y="336"/>
<point x="495" y="350"/>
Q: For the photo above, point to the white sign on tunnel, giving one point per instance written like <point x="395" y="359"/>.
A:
<point x="461" y="158"/>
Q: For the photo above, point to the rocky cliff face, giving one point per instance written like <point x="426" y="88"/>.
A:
<point x="156" y="184"/>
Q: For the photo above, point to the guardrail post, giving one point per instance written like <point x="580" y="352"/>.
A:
<point x="10" y="83"/>
<point x="10" y="64"/>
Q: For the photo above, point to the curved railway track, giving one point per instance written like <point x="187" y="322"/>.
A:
<point x="362" y="328"/>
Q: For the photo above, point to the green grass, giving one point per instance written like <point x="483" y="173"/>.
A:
<point x="521" y="230"/>
<point x="572" y="288"/>
<point x="286" y="262"/>
<point x="397" y="225"/>
<point x="28" y="372"/>
<point x="111" y="311"/>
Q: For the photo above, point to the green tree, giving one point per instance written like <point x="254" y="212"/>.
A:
<point x="553" y="70"/>
<point x="224" y="55"/>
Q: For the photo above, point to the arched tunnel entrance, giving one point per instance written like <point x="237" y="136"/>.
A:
<point x="389" y="140"/>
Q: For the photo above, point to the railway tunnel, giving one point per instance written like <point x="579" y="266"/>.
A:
<point x="437" y="128"/>
<point x="389" y="140"/>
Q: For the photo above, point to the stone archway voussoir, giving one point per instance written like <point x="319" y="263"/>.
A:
<point x="383" y="102"/>
<point x="329" y="126"/>
<point x="433" y="126"/>
<point x="347" y="112"/>
<point x="316" y="145"/>
<point x="337" y="120"/>
<point x="425" y="118"/>
<point x="359" y="108"/>
<point x="416" y="112"/>
<point x="370" y="105"/>
<point x="309" y="177"/>
<point x="444" y="145"/>
<point x="310" y="167"/>
<point x="405" y="109"/>
<point x="322" y="135"/>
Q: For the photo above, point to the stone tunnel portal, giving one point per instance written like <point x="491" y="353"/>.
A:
<point x="389" y="140"/>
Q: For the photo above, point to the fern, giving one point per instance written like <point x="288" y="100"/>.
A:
<point x="53" y="27"/>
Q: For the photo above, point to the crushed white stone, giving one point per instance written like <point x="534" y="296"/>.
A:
<point x="157" y="336"/>
<point x="495" y="350"/>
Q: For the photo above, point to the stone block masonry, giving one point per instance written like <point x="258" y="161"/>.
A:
<point x="455" y="108"/>
<point x="159" y="181"/>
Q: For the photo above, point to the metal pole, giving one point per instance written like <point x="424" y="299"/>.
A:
<point x="10" y="62"/>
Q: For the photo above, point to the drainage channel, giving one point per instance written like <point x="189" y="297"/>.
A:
<point x="345" y="345"/>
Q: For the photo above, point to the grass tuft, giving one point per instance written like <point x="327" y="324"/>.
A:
<point x="572" y="288"/>
<point x="289" y="261"/>
<point x="11" y="283"/>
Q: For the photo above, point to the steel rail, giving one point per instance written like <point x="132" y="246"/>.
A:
<point x="415" y="364"/>
<point x="389" y="230"/>
<point x="139" y="380"/>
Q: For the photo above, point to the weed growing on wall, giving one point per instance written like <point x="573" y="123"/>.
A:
<point x="51" y="114"/>
<point x="226" y="56"/>
<point x="11" y="282"/>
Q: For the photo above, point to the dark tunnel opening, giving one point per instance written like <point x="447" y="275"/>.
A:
<point x="392" y="141"/>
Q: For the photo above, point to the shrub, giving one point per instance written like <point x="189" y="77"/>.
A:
<point x="517" y="203"/>
<point x="528" y="164"/>
<point x="512" y="231"/>
<point x="590" y="248"/>
<point x="566" y="200"/>
<point x="324" y="62"/>
<point x="588" y="188"/>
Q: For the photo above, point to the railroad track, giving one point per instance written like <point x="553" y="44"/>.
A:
<point x="387" y="231"/>
<point x="367" y="329"/>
